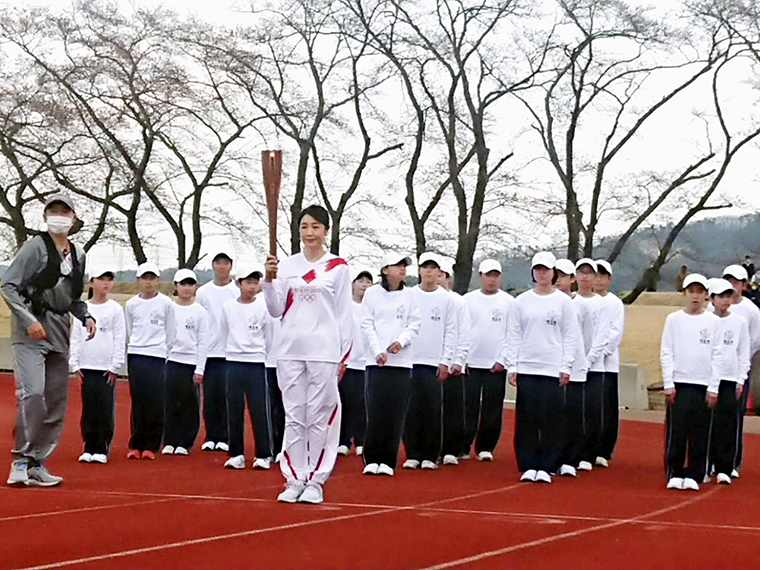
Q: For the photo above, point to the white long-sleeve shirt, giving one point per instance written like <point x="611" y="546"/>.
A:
<point x="583" y="334"/>
<point x="749" y="311"/>
<point x="357" y="360"/>
<point x="150" y="325"/>
<point x="211" y="297"/>
<point x="107" y="349"/>
<point x="733" y="338"/>
<point x="600" y="328"/>
<point x="464" y="331"/>
<point x="488" y="316"/>
<point x="690" y="351"/>
<point x="437" y="342"/>
<point x="315" y="303"/>
<point x="244" y="329"/>
<point x="541" y="334"/>
<point x="391" y="316"/>
<point x="616" y="330"/>
<point x="191" y="338"/>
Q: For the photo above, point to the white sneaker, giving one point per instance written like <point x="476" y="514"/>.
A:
<point x="99" y="458"/>
<point x="543" y="477"/>
<point x="312" y="494"/>
<point x="723" y="479"/>
<point x="359" y="450"/>
<point x="410" y="464"/>
<point x="601" y="461"/>
<point x="221" y="446"/>
<point x="450" y="460"/>
<point x="19" y="474"/>
<point x="41" y="477"/>
<point x="706" y="479"/>
<point x="529" y="476"/>
<point x="291" y="493"/>
<point x="485" y="456"/>
<point x="427" y="464"/>
<point x="278" y="458"/>
<point x="675" y="483"/>
<point x="371" y="469"/>
<point x="735" y="474"/>
<point x="85" y="458"/>
<point x="168" y="450"/>
<point x="343" y="450"/>
<point x="261" y="463"/>
<point x="690" y="484"/>
<point x="385" y="470"/>
<point x="237" y="462"/>
<point x="585" y="466"/>
<point x="208" y="446"/>
<point x="568" y="471"/>
<point x="180" y="451"/>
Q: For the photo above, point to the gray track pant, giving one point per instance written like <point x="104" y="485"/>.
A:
<point x="42" y="387"/>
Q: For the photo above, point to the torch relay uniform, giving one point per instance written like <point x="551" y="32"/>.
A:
<point x="104" y="353"/>
<point x="315" y="303"/>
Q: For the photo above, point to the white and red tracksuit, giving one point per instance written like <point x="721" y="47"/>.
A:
<point x="315" y="303"/>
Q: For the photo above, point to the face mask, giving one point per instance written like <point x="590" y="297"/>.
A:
<point x="59" y="225"/>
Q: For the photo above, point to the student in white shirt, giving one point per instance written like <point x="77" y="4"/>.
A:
<point x="185" y="366"/>
<point x="244" y="327"/>
<point x="433" y="355"/>
<point x="211" y="297"/>
<point x="390" y="325"/>
<point x="486" y="380"/>
<point x="575" y="389"/>
<point x="97" y="362"/>
<point x="311" y="291"/>
<point x="733" y="339"/>
<point x="276" y="409"/>
<point x="736" y="275"/>
<point x="691" y="360"/>
<point x="354" y="419"/>
<point x="540" y="352"/>
<point x="614" y="307"/>
<point x="453" y="443"/>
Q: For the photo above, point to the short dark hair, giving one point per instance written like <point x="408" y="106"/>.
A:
<point x="318" y="213"/>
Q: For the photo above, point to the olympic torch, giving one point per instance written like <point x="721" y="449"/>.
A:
<point x="271" y="166"/>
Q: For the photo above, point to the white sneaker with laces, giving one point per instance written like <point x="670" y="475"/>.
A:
<point x="529" y="476"/>
<point x="208" y="446"/>
<point x="343" y="450"/>
<point x="568" y="471"/>
<point x="312" y="494"/>
<point x="450" y="460"/>
<point x="543" y="477"/>
<point x="427" y="464"/>
<point x="168" y="450"/>
<point x="99" y="458"/>
<point x="585" y="466"/>
<point x="180" y="451"/>
<point x="675" y="483"/>
<point x="384" y="469"/>
<point x="601" y="461"/>
<point x="221" y="446"/>
<point x="690" y="484"/>
<point x="724" y="479"/>
<point x="735" y="474"/>
<point x="237" y="462"/>
<point x="85" y="458"/>
<point x="261" y="463"/>
<point x="410" y="464"/>
<point x="371" y="469"/>
<point x="485" y="456"/>
<point x="291" y="493"/>
<point x="19" y="474"/>
<point x="41" y="477"/>
<point x="360" y="450"/>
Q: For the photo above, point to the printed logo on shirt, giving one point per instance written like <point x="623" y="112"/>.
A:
<point x="190" y="324"/>
<point x="401" y="312"/>
<point x="551" y="318"/>
<point x="728" y="338"/>
<point x="435" y="314"/>
<point x="704" y="336"/>
<point x="156" y="318"/>
<point x="496" y="316"/>
<point x="306" y="294"/>
<point x="104" y="324"/>
<point x="253" y="324"/>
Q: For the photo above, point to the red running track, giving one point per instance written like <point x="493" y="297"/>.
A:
<point x="189" y="512"/>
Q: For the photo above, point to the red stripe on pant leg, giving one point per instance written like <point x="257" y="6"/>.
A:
<point x="321" y="457"/>
<point x="287" y="458"/>
<point x="332" y="417"/>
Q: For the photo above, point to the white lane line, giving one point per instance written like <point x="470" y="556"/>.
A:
<point x="83" y="510"/>
<point x="564" y="535"/>
<point x="206" y="540"/>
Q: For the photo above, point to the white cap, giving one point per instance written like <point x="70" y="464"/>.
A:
<point x="395" y="258"/>
<point x="183" y="274"/>
<point x="719" y="286"/>
<point x="488" y="265"/>
<point x="248" y="269"/>
<point x="737" y="272"/>
<point x="429" y="256"/>
<point x="545" y="258"/>
<point x="586" y="261"/>
<point x="148" y="267"/>
<point x="566" y="266"/>
<point x="695" y="278"/>
<point x="100" y="271"/>
<point x="606" y="265"/>
<point x="447" y="266"/>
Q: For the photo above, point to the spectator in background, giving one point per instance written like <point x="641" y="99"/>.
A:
<point x="750" y="267"/>
<point x="680" y="277"/>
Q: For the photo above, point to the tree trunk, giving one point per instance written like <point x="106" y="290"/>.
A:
<point x="297" y="205"/>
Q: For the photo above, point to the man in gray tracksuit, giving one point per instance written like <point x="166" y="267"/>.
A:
<point x="42" y="286"/>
